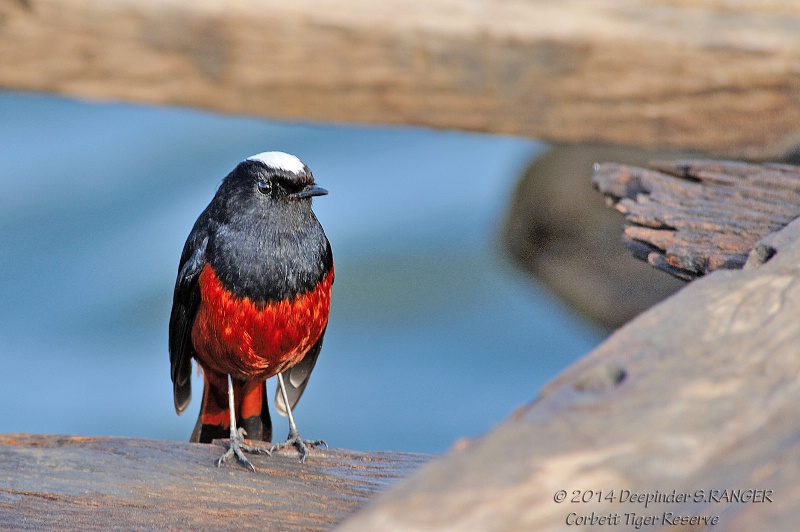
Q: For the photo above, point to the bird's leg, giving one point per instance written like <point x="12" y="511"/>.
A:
<point x="237" y="447"/>
<point x="294" y="439"/>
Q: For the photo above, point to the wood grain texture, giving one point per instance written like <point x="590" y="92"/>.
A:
<point x="690" y="217"/>
<point x="711" y="75"/>
<point x="91" y="483"/>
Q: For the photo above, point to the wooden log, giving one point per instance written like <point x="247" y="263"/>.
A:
<point x="693" y="402"/>
<point x="89" y="483"/>
<point x="690" y="217"/>
<point x="709" y="75"/>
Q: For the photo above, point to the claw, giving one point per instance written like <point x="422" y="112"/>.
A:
<point x="237" y="448"/>
<point x="294" y="440"/>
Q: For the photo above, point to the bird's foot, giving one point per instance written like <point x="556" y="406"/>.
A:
<point x="237" y="448"/>
<point x="294" y="440"/>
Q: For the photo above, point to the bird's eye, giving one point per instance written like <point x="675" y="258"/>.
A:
<point x="264" y="186"/>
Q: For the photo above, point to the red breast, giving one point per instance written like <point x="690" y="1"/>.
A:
<point x="247" y="339"/>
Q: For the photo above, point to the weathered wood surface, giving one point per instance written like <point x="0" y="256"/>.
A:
<point x="689" y="217"/>
<point x="82" y="483"/>
<point x="698" y="393"/>
<point x="710" y="75"/>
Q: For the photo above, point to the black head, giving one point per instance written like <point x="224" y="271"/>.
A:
<point x="271" y="177"/>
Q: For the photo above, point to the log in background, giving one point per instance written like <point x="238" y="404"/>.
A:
<point x="690" y="217"/>
<point x="712" y="75"/>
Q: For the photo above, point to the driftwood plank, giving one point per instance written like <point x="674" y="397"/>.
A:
<point x="709" y="75"/>
<point x="689" y="217"/>
<point x="81" y="483"/>
<point x="693" y="402"/>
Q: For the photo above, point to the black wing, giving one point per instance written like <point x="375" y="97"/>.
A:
<point x="185" y="302"/>
<point x="295" y="378"/>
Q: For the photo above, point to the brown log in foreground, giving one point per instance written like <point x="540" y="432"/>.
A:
<point x="89" y="483"/>
<point x="695" y="400"/>
<point x="690" y="217"/>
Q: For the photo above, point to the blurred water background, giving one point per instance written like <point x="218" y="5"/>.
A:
<point x="432" y="336"/>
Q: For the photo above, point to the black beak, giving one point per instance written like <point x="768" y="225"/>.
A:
<point x="310" y="191"/>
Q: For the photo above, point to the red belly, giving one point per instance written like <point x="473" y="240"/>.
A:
<point x="236" y="336"/>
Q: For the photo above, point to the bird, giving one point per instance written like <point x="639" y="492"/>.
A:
<point x="251" y="301"/>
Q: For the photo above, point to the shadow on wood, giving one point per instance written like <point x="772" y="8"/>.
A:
<point x="89" y="483"/>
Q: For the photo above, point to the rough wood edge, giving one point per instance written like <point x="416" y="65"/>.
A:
<point x="691" y="217"/>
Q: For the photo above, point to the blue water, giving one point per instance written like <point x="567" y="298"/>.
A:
<point x="432" y="335"/>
